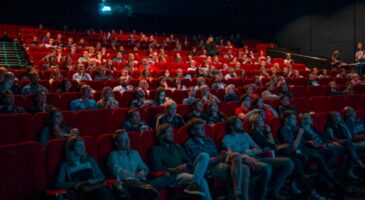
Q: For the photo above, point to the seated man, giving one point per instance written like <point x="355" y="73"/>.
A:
<point x="9" y="84"/>
<point x="170" y="116"/>
<point x="170" y="157"/>
<point x="85" y="102"/>
<point x="9" y="106"/>
<point x="285" y="105"/>
<point x="197" y="111"/>
<point x="226" y="166"/>
<point x="269" y="94"/>
<point x="331" y="147"/>
<point x="190" y="99"/>
<point x="262" y="135"/>
<point x="33" y="86"/>
<point x="292" y="137"/>
<point x="244" y="112"/>
<point x="134" y="122"/>
<point x="277" y="169"/>
<point x="139" y="99"/>
<point x="123" y="81"/>
<point x="356" y="127"/>
<point x="81" y="75"/>
<point x="127" y="165"/>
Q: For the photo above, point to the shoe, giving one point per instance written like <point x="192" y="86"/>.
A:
<point x="194" y="189"/>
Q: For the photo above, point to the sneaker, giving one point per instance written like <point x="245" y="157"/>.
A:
<point x="194" y="189"/>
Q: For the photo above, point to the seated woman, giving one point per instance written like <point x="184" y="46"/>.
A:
<point x="146" y="75"/>
<point x="197" y="111"/>
<point x="160" y="97"/>
<point x="230" y="94"/>
<point x="179" y="85"/>
<point x="213" y="113"/>
<point x="143" y="84"/>
<point x="107" y="100"/>
<point x="134" y="122"/>
<point x="39" y="102"/>
<point x="80" y="175"/>
<point x="206" y="96"/>
<point x="266" y="111"/>
<point x="66" y="86"/>
<point x="103" y="74"/>
<point x="139" y="99"/>
<point x="9" y="106"/>
<point x="55" y="76"/>
<point x="333" y="89"/>
<point x="162" y="83"/>
<point x="55" y="127"/>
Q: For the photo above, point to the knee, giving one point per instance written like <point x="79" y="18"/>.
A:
<point x="236" y="159"/>
<point x="266" y="170"/>
<point x="246" y="171"/>
<point x="289" y="165"/>
<point x="203" y="157"/>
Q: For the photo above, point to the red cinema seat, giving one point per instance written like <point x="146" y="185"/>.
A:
<point x="355" y="101"/>
<point x="16" y="128"/>
<point x="298" y="90"/>
<point x="184" y="109"/>
<point x="359" y="89"/>
<point x="182" y="135"/>
<point x="22" y="171"/>
<point x="298" y="81"/>
<point x="302" y="104"/>
<point x="19" y="101"/>
<point x="119" y="117"/>
<point x="320" y="104"/>
<point x="39" y="121"/>
<point x="53" y="99"/>
<point x="151" y="113"/>
<point x="229" y="108"/>
<point x="69" y="118"/>
<point x="319" y="121"/>
<point x="337" y="102"/>
<point x="219" y="131"/>
<point x="179" y="95"/>
<point x="147" y="142"/>
<point x="55" y="155"/>
<point x="66" y="99"/>
<point x="316" y="91"/>
<point x="275" y="125"/>
<point x="94" y="122"/>
<point x="96" y="85"/>
<point x="125" y="98"/>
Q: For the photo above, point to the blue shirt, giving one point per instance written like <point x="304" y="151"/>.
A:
<point x="78" y="104"/>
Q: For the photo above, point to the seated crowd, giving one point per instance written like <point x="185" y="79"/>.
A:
<point x="253" y="161"/>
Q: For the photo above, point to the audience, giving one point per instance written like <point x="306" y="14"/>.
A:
<point x="127" y="165"/>
<point x="197" y="111"/>
<point x="123" y="81"/>
<point x="227" y="166"/>
<point x="171" y="157"/>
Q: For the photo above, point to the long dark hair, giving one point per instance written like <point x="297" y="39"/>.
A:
<point x="49" y="120"/>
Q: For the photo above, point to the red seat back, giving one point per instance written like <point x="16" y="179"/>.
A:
<point x="22" y="171"/>
<point x="16" y="128"/>
<point x="94" y="122"/>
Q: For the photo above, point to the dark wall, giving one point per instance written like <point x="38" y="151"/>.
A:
<point x="319" y="27"/>
<point x="311" y="26"/>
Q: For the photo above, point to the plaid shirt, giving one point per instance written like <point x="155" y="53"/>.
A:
<point x="194" y="147"/>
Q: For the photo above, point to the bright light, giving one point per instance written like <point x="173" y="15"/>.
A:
<point x="106" y="9"/>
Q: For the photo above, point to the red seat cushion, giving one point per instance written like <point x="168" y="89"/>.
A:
<point x="16" y="128"/>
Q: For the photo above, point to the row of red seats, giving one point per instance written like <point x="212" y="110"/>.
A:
<point x="37" y="169"/>
<point x="96" y="122"/>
